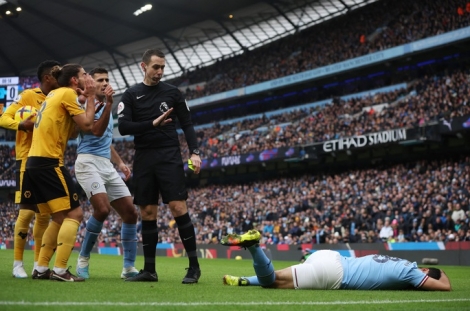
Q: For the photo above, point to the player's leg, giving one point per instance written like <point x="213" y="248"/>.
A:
<point x="121" y="201"/>
<point x="125" y="208"/>
<point x="262" y="265"/>
<point x="90" y="177"/>
<point x="65" y="243"/>
<point x="172" y="183"/>
<point x="101" y="209"/>
<point x="62" y="200"/>
<point x="33" y="187"/>
<point x="48" y="246"/>
<point x="146" y="194"/>
<point x="41" y="222"/>
<point x="25" y="215"/>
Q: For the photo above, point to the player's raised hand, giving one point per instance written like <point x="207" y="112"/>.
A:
<point x="89" y="87"/>
<point x="162" y="120"/>
<point x="109" y="92"/>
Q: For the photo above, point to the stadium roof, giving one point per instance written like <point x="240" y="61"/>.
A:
<point x="107" y="33"/>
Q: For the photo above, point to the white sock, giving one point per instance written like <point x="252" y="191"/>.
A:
<point x="59" y="270"/>
<point x="41" y="269"/>
<point x="17" y="263"/>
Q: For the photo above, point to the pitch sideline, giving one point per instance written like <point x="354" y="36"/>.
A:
<point x="203" y="303"/>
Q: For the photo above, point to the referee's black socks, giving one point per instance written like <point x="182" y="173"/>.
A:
<point x="149" y="244"/>
<point x="188" y="237"/>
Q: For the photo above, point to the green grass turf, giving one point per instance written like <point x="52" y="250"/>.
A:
<point x="106" y="291"/>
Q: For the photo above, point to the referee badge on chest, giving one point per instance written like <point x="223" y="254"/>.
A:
<point x="163" y="107"/>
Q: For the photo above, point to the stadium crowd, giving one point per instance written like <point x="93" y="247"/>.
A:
<point x="354" y="206"/>
<point x="420" y="202"/>
<point x="7" y="160"/>
<point x="430" y="98"/>
<point x="376" y="27"/>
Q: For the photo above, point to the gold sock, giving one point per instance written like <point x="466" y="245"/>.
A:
<point x="40" y="225"/>
<point x="49" y="243"/>
<point x="66" y="242"/>
<point x="21" y="232"/>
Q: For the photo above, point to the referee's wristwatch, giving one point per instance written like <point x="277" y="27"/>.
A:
<point x="196" y="152"/>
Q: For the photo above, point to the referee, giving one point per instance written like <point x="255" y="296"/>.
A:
<point x="148" y="111"/>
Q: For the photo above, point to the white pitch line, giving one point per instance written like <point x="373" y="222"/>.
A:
<point x="203" y="303"/>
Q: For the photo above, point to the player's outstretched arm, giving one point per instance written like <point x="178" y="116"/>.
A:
<point x="443" y="284"/>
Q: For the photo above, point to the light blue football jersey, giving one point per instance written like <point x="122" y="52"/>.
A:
<point x="98" y="146"/>
<point x="380" y="272"/>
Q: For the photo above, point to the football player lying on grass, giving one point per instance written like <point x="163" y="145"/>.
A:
<point x="326" y="269"/>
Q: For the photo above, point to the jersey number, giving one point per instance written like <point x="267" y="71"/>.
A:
<point x="385" y="258"/>
<point x="39" y="117"/>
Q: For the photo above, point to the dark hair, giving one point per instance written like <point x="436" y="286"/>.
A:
<point x="45" y="67"/>
<point x="97" y="70"/>
<point x="151" y="52"/>
<point x="434" y="273"/>
<point x="64" y="74"/>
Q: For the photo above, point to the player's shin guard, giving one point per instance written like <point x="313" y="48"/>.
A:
<point x="40" y="225"/>
<point x="21" y="232"/>
<point x="129" y="244"/>
<point x="49" y="244"/>
<point x="66" y="242"/>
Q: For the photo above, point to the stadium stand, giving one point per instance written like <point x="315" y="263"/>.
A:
<point x="422" y="201"/>
<point x="385" y="24"/>
<point x="296" y="217"/>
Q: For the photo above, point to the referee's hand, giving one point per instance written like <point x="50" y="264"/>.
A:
<point x="162" y="120"/>
<point x="196" y="160"/>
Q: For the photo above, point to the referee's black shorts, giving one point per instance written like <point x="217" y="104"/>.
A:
<point x="48" y="185"/>
<point x="158" y="171"/>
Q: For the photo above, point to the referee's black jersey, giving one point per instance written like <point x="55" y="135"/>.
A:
<point x="141" y="104"/>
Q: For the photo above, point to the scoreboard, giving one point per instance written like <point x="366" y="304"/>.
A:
<point x="9" y="90"/>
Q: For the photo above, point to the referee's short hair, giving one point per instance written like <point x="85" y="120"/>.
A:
<point x="151" y="52"/>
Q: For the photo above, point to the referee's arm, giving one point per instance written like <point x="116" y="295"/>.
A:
<point x="125" y="124"/>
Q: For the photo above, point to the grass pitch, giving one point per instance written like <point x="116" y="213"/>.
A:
<point x="106" y="291"/>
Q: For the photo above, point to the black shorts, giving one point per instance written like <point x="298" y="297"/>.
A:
<point x="158" y="172"/>
<point x="19" y="172"/>
<point x="48" y="185"/>
<point x="19" y="181"/>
